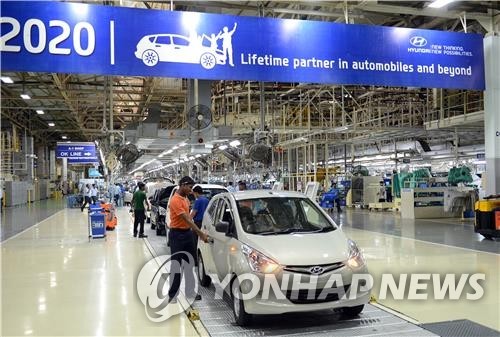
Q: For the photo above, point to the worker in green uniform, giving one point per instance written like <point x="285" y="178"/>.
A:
<point x="138" y="200"/>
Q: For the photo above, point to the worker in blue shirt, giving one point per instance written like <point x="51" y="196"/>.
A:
<point x="335" y="191"/>
<point x="199" y="207"/>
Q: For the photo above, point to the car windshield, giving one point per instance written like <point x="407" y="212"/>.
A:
<point x="209" y="193"/>
<point x="274" y="216"/>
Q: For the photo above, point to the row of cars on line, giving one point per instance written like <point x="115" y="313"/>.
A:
<point x="273" y="233"/>
<point x="160" y="213"/>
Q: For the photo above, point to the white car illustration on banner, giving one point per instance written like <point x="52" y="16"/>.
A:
<point x="155" y="48"/>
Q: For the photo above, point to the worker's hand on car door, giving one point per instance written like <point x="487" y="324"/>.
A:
<point x="203" y="236"/>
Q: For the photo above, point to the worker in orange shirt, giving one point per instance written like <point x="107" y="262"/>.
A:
<point x="182" y="230"/>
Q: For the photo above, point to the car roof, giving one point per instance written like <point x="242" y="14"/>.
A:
<point x="255" y="194"/>
<point x="208" y="186"/>
<point x="173" y="35"/>
<point x="211" y="186"/>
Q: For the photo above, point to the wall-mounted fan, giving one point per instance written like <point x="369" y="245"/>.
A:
<point x="199" y="117"/>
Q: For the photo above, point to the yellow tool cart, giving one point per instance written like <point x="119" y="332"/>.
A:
<point x="488" y="217"/>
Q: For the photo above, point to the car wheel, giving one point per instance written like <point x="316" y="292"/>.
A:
<point x="208" y="60"/>
<point x="353" y="311"/>
<point x="150" y="58"/>
<point x="204" y="279"/>
<point x="241" y="317"/>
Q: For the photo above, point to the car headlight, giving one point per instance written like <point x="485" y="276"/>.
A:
<point x="356" y="259"/>
<point x="259" y="262"/>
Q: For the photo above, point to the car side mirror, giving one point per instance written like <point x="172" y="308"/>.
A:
<point x="222" y="227"/>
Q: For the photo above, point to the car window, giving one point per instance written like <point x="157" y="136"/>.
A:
<point x="224" y="213"/>
<point x="212" y="207"/>
<point x="281" y="216"/>
<point x="163" y="39"/>
<point x="209" y="193"/>
<point x="179" y="41"/>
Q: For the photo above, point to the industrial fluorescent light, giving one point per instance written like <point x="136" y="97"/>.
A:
<point x="439" y="3"/>
<point x="51" y="124"/>
<point x="6" y="79"/>
<point x="235" y="143"/>
<point x="24" y="96"/>
<point x="340" y="128"/>
<point x="222" y="147"/>
<point x="209" y="146"/>
<point x="40" y="112"/>
<point x="64" y="137"/>
<point x="160" y="155"/>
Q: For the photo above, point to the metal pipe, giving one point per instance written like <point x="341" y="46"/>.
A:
<point x="110" y="103"/>
<point x="262" y="107"/>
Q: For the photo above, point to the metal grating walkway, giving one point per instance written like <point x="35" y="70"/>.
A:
<point x="460" y="328"/>
<point x="217" y="317"/>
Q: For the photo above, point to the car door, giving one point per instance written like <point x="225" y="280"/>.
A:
<point x="184" y="51"/>
<point x="221" y="243"/>
<point x="208" y="225"/>
<point x="167" y="214"/>
<point x="154" y="208"/>
<point x="163" y="46"/>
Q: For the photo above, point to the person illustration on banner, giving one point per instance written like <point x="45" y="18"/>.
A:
<point x="227" y="44"/>
<point x="213" y="40"/>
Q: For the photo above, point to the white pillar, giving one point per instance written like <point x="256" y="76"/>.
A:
<point x="65" y="169"/>
<point x="52" y="165"/>
<point x="492" y="113"/>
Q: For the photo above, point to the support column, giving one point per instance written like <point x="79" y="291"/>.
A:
<point x="199" y="92"/>
<point x="30" y="170"/>
<point x="52" y="165"/>
<point x="492" y="113"/>
<point x="64" y="169"/>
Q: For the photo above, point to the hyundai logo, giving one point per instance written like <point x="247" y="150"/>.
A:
<point x="418" y="41"/>
<point x="316" y="270"/>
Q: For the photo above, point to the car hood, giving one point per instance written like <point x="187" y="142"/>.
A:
<point x="302" y="249"/>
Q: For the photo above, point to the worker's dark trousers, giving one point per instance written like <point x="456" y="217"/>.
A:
<point x="181" y="244"/>
<point x="139" y="217"/>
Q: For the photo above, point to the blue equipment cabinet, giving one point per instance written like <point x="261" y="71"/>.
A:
<point x="97" y="222"/>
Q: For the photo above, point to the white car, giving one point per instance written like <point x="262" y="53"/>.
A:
<point x="287" y="236"/>
<point x="209" y="191"/>
<point x="176" y="48"/>
<point x="127" y="198"/>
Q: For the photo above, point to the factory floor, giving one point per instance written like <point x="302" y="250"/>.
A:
<point x="55" y="282"/>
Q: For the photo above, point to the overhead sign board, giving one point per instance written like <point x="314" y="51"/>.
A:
<point x="106" y="40"/>
<point x="77" y="153"/>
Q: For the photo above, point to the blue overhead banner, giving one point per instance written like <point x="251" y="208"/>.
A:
<point x="105" y="40"/>
<point x="77" y="153"/>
